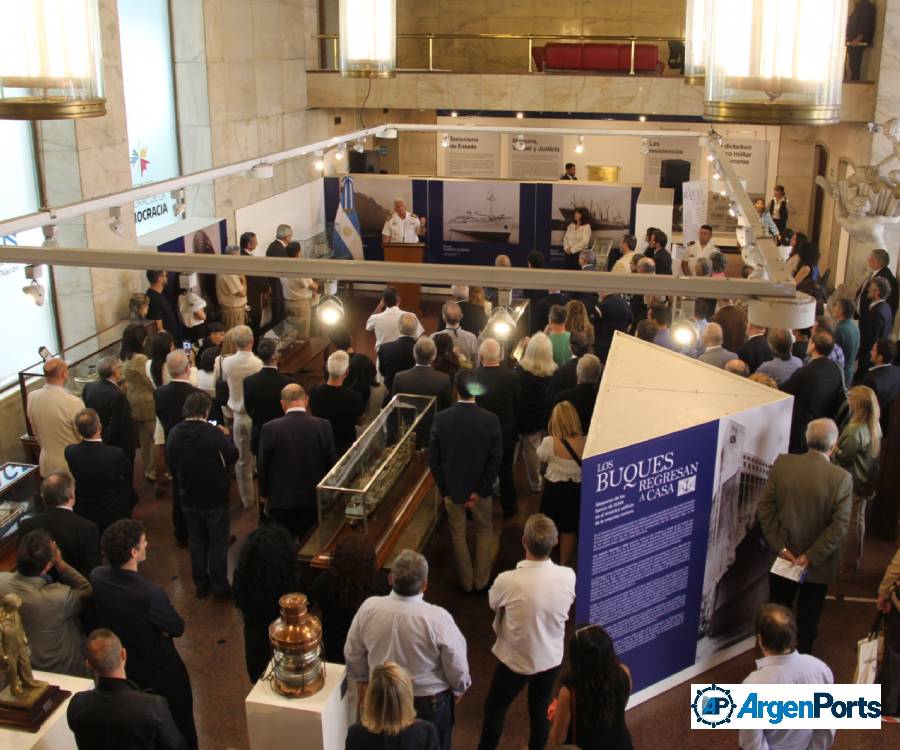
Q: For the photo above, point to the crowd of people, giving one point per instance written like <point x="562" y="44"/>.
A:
<point x="196" y="416"/>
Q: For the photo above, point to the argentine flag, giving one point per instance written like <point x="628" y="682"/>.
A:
<point x="347" y="239"/>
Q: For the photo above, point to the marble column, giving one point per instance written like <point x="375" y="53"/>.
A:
<point x="887" y="103"/>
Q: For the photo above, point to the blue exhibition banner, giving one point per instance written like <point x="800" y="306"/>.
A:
<point x="645" y="513"/>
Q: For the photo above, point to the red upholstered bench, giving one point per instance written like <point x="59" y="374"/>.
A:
<point x="646" y="58"/>
<point x="559" y="56"/>
<point x="596" y="57"/>
<point x="599" y="57"/>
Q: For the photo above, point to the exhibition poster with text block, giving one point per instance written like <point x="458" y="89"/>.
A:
<point x="644" y="523"/>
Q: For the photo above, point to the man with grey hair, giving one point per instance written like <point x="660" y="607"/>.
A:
<point x="713" y="352"/>
<point x="340" y="405"/>
<point x="106" y="398"/>
<point x="465" y="342"/>
<point x="422" y="638"/>
<point x="804" y="515"/>
<point x="584" y="395"/>
<point x="423" y="379"/>
<point x="397" y="355"/>
<point x="402" y="226"/>
<point x="531" y="606"/>
<point x="169" y="400"/>
<point x="278" y="249"/>
<point x="737" y="367"/>
<point x="235" y="369"/>
<point x="116" y="713"/>
<point x="587" y="260"/>
<point x="879" y="267"/>
<point x="499" y="391"/>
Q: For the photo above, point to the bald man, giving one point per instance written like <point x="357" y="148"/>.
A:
<point x="51" y="413"/>
<point x="116" y="713"/>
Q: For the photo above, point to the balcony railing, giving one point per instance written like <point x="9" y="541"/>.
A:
<point x="329" y="55"/>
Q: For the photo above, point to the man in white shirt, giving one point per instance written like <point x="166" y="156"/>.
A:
<point x="531" y="605"/>
<point x="464" y="341"/>
<point x="402" y="226"/>
<point x="51" y="414"/>
<point x="231" y="294"/>
<point x="776" y="636"/>
<point x="696" y="250"/>
<point x="420" y="637"/>
<point x="235" y="369"/>
<point x="623" y="264"/>
<point x="384" y="322"/>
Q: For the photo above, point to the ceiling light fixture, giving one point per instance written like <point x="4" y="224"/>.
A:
<point x="360" y="145"/>
<point x="180" y="202"/>
<point x="695" y="33"/>
<point x="520" y="115"/>
<point x="445" y="140"/>
<point x="340" y="152"/>
<point x="454" y="113"/>
<point x="319" y="162"/>
<point x="115" y="219"/>
<point x="49" y="233"/>
<point x="35" y="290"/>
<point x="330" y="310"/>
<point x="642" y="118"/>
<point x="368" y="38"/>
<point x="579" y="147"/>
<point x="51" y="65"/>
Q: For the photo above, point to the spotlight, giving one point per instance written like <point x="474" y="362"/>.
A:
<point x="180" y="203"/>
<point x="723" y="193"/>
<point x="360" y="145"/>
<point x="389" y="133"/>
<point x="519" y="142"/>
<point x="49" y="232"/>
<point x="642" y="118"/>
<point x="454" y="113"/>
<point x="340" y="152"/>
<point x="685" y="333"/>
<point x="579" y="147"/>
<point x="35" y="290"/>
<point x="319" y="163"/>
<point x="501" y="323"/>
<point x="520" y="115"/>
<point x="330" y="310"/>
<point x="262" y="171"/>
<point x="445" y="140"/>
<point x="115" y="219"/>
<point x="710" y="157"/>
<point x="717" y="176"/>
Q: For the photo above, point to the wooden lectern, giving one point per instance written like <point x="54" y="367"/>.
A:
<point x="407" y="252"/>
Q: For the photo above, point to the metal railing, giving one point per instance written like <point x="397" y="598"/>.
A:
<point x="530" y="38"/>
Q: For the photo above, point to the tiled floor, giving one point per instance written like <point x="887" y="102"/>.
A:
<point x="212" y="644"/>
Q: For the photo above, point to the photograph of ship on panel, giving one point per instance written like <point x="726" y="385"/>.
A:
<point x="477" y="211"/>
<point x="735" y="581"/>
<point x="374" y="198"/>
<point x="607" y="207"/>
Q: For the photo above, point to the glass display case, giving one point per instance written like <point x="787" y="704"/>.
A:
<point x="19" y="493"/>
<point x="82" y="359"/>
<point x="381" y="486"/>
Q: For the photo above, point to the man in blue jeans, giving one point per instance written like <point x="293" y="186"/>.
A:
<point x="199" y="455"/>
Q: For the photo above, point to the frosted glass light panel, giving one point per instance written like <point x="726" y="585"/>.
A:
<point x="51" y="66"/>
<point x="368" y="34"/>
<point x="696" y="25"/>
<point x="775" y="61"/>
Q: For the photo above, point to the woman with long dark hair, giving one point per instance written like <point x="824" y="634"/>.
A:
<point x="338" y="592"/>
<point x="577" y="237"/>
<point x="594" y="689"/>
<point x="160" y="345"/>
<point x="447" y="360"/>
<point x="267" y="569"/>
<point x="139" y="392"/>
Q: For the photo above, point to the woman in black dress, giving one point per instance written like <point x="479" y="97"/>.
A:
<point x="338" y="591"/>
<point x="589" y="711"/>
<point x="267" y="569"/>
<point x="388" y="717"/>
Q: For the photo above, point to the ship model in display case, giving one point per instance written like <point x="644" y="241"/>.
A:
<point x="379" y="484"/>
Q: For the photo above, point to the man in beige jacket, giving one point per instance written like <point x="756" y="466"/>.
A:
<point x="51" y="413"/>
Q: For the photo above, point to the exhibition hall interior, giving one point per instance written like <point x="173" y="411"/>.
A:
<point x="449" y="374"/>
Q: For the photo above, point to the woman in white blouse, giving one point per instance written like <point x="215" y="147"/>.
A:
<point x="561" y="451"/>
<point x="577" y="238"/>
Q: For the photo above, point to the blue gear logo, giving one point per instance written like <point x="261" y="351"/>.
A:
<point x="713" y="706"/>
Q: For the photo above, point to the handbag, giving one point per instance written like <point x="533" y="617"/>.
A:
<point x="868" y="653"/>
<point x="222" y="392"/>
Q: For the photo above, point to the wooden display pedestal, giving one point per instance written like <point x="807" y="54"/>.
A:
<point x="35" y="710"/>
<point x="402" y="252"/>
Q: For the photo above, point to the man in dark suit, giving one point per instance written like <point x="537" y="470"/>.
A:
<point x="77" y="538"/>
<point x="884" y="378"/>
<point x="115" y="714"/>
<point x="661" y="256"/>
<point x="257" y="286"/>
<point x="103" y="475"/>
<point x="424" y="380"/>
<point x="278" y="249"/>
<point x="200" y="454"/>
<point x="755" y="350"/>
<point x="876" y="324"/>
<point x="614" y="314"/>
<point x="497" y="389"/>
<point x="295" y="452"/>
<point x="141" y="615"/>
<point x="804" y="514"/>
<point x="817" y="388"/>
<point x="566" y="375"/>
<point x="262" y="391"/>
<point x="465" y="452"/>
<point x="343" y="407"/>
<point x="878" y="263"/>
<point x="106" y="398"/>
<point x="169" y="399"/>
<point x="397" y="356"/>
<point x="584" y="395"/>
<point x="540" y="315"/>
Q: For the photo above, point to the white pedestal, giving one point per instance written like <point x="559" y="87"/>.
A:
<point x="318" y="722"/>
<point x="55" y="733"/>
